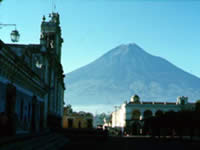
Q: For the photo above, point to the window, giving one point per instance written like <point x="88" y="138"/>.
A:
<point x="70" y="123"/>
<point x="22" y="109"/>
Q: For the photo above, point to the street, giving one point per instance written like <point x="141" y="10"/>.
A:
<point x="136" y="143"/>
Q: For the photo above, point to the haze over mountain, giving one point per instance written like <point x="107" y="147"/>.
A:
<point x="127" y="70"/>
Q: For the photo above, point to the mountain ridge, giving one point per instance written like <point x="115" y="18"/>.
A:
<point x="125" y="70"/>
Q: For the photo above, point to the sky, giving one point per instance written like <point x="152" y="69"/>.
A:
<point x="90" y="28"/>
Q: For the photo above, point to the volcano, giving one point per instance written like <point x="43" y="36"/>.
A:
<point x="126" y="70"/>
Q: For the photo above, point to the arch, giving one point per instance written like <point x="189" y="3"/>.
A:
<point x="147" y="114"/>
<point x="136" y="115"/>
<point x="182" y="102"/>
<point x="79" y="124"/>
<point x="170" y="111"/>
<point x="159" y="113"/>
<point x="70" y="122"/>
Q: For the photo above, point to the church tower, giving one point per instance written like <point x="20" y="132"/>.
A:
<point x="51" y="35"/>
<point x="51" y="43"/>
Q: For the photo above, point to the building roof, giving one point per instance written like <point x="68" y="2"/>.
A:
<point x="155" y="103"/>
<point x="21" y="49"/>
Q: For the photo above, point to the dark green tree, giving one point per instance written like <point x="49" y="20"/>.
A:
<point x="197" y="106"/>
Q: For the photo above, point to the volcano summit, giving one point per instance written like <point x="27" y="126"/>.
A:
<point x="127" y="70"/>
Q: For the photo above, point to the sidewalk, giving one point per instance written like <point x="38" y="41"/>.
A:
<point x="46" y="140"/>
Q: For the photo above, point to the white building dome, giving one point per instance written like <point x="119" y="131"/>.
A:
<point x="135" y="99"/>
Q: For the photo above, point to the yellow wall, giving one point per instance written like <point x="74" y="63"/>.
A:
<point x="76" y="120"/>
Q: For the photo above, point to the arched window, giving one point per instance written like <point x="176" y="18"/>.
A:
<point x="136" y="115"/>
<point x="159" y="113"/>
<point x="182" y="102"/>
<point x="147" y="114"/>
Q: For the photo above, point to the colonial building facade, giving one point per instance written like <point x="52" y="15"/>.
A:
<point x="76" y="119"/>
<point x="32" y="81"/>
<point x="130" y="116"/>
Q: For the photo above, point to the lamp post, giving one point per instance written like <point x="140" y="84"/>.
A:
<point x="14" y="35"/>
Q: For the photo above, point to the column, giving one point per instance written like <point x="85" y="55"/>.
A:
<point x="10" y="109"/>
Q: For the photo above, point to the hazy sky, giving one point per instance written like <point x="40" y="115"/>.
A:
<point x="166" y="28"/>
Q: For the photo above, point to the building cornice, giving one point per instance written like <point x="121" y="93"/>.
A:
<point x="17" y="71"/>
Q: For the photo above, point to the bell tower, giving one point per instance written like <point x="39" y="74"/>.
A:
<point x="51" y="35"/>
<point x="51" y="45"/>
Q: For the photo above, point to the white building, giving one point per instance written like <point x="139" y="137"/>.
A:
<point x="131" y="115"/>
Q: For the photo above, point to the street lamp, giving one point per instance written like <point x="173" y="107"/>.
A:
<point x="14" y="35"/>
